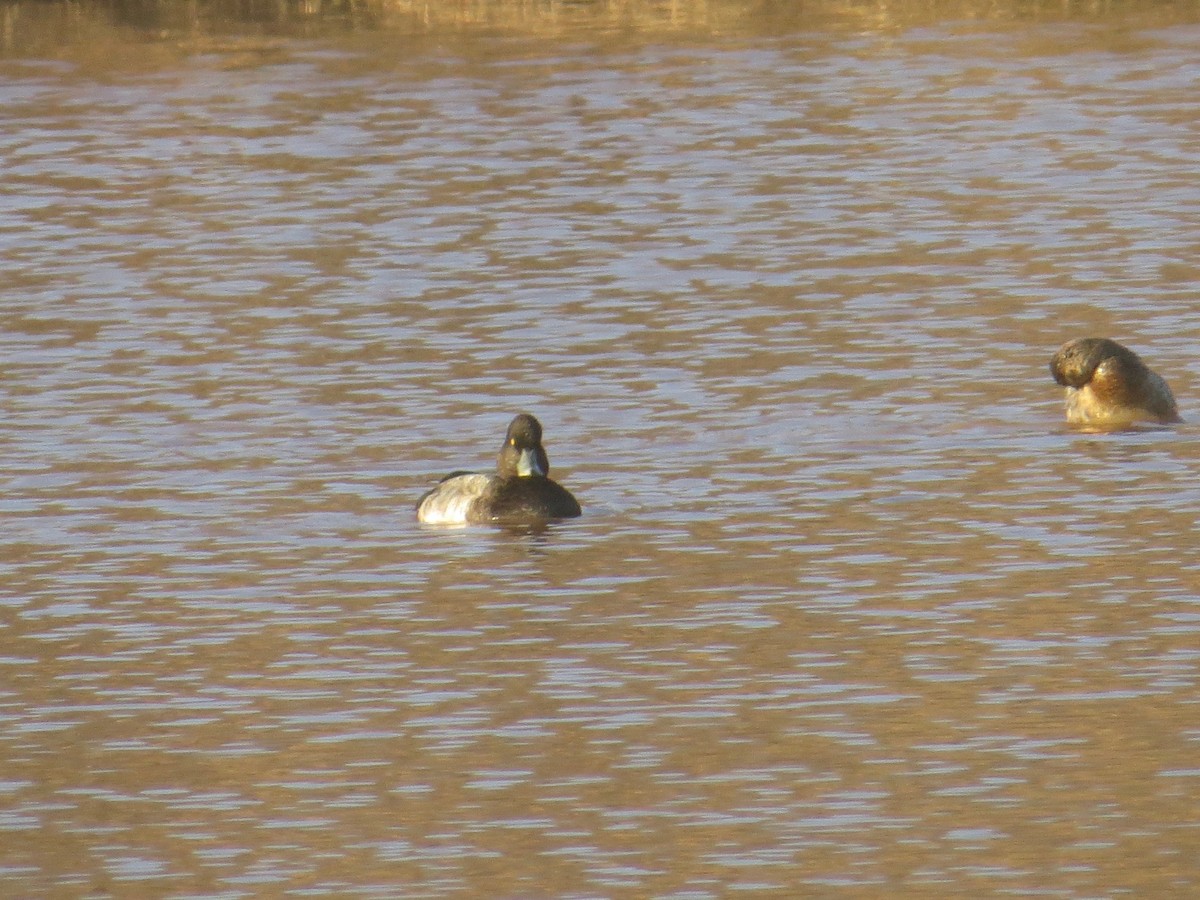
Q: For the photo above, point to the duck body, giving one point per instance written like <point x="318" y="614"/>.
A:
<point x="1109" y="385"/>
<point x="472" y="498"/>
<point x="520" y="491"/>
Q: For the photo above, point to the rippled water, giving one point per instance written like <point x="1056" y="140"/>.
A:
<point x="850" y="611"/>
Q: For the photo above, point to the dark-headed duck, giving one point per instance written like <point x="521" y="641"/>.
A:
<point x="520" y="492"/>
<point x="1108" y="385"/>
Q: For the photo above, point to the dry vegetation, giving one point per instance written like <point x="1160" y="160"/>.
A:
<point x="27" y="25"/>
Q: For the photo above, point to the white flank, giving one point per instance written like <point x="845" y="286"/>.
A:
<point x="451" y="500"/>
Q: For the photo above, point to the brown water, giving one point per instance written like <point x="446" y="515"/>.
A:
<point x="850" y="612"/>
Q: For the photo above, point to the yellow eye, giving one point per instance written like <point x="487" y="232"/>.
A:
<point x="512" y="442"/>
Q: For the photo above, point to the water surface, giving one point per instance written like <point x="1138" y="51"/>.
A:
<point x="850" y="611"/>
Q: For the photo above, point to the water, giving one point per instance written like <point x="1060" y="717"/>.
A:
<point x="850" y="611"/>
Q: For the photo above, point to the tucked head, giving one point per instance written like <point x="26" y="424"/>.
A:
<point x="1076" y="361"/>
<point x="1108" y="385"/>
<point x="523" y="455"/>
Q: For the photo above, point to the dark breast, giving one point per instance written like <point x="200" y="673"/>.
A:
<point x="531" y="498"/>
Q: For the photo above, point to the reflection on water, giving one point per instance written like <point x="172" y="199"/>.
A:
<point x="243" y="31"/>
<point x="849" y="611"/>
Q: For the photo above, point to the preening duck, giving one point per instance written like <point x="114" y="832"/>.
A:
<point x="1109" y="385"/>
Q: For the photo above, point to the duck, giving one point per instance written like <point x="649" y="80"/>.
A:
<point x="1109" y="385"/>
<point x="520" y="492"/>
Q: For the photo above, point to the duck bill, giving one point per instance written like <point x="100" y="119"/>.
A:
<point x="527" y="464"/>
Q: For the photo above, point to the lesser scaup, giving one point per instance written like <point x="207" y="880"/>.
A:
<point x="1109" y="385"/>
<point x="519" y="492"/>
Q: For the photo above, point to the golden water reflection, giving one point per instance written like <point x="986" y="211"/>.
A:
<point x="850" y="611"/>
<point x="30" y="27"/>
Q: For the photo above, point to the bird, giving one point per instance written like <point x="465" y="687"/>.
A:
<point x="1109" y="385"/>
<point x="520" y="492"/>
